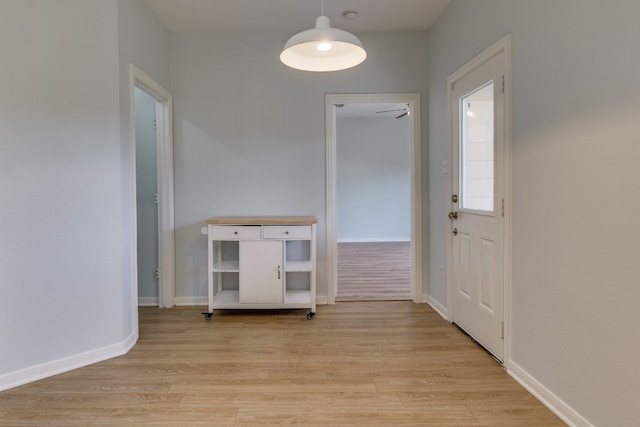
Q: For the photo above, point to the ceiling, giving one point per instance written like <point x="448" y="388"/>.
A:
<point x="292" y="16"/>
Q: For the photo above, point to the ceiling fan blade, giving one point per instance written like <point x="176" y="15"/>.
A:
<point x="391" y="111"/>
<point x="402" y="115"/>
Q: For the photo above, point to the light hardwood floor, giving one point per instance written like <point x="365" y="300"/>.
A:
<point x="373" y="271"/>
<point x="358" y="363"/>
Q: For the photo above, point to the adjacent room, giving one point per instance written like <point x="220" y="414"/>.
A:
<point x="105" y="260"/>
<point x="373" y="158"/>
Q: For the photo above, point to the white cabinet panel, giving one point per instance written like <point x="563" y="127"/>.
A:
<point x="261" y="272"/>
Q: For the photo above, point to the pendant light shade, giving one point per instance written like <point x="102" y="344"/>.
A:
<point x="323" y="49"/>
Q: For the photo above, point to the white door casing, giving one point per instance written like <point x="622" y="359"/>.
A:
<point x="164" y="136"/>
<point x="413" y="99"/>
<point x="480" y="176"/>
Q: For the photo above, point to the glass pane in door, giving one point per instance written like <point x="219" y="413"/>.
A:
<point x="476" y="150"/>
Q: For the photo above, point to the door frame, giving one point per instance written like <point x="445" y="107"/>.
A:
<point x="501" y="46"/>
<point x="166" y="221"/>
<point x="413" y="99"/>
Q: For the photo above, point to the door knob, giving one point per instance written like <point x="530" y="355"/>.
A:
<point x="453" y="215"/>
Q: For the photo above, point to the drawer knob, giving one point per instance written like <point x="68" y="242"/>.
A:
<point x="286" y="232"/>
<point x="235" y="232"/>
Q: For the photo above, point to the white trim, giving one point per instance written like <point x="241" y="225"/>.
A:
<point x="508" y="138"/>
<point x="189" y="301"/>
<point x="556" y="405"/>
<point x="66" y="364"/>
<point x="501" y="46"/>
<point x="148" y="301"/>
<point x="166" y="221"/>
<point x="134" y="204"/>
<point x="374" y="239"/>
<point x="331" y="173"/>
<point x="413" y="99"/>
<point x="439" y="308"/>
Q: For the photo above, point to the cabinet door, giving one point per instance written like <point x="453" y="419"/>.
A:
<point x="261" y="272"/>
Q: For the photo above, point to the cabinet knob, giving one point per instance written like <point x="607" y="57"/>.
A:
<point x="286" y="232"/>
<point x="235" y="232"/>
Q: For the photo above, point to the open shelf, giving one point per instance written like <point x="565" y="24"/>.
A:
<point x="297" y="297"/>
<point x="297" y="266"/>
<point x="292" y="298"/>
<point x="232" y="266"/>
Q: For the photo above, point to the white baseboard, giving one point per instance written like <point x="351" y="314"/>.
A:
<point x="565" y="412"/>
<point x="556" y="405"/>
<point x="148" y="301"/>
<point x="439" y="308"/>
<point x="192" y="301"/>
<point x="374" y="239"/>
<point x="66" y="364"/>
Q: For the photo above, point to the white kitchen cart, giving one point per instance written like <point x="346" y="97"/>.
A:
<point x="262" y="263"/>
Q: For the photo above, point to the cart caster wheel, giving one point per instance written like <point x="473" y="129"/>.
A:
<point x="207" y="316"/>
<point x="310" y="315"/>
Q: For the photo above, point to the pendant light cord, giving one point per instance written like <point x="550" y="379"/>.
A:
<point x="322" y="7"/>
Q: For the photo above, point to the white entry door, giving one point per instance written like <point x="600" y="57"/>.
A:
<point x="477" y="111"/>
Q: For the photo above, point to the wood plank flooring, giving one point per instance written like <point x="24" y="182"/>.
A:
<point x="374" y="271"/>
<point x="358" y="363"/>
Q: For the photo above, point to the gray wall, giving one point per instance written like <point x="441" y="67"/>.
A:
<point x="249" y="132"/>
<point x="61" y="248"/>
<point x="65" y="270"/>
<point x="373" y="179"/>
<point x="576" y="147"/>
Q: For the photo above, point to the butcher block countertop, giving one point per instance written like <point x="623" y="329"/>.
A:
<point x="262" y="220"/>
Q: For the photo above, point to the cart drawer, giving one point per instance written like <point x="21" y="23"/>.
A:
<point x="234" y="232"/>
<point x="287" y="232"/>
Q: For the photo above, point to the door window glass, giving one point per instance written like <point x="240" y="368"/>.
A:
<point x="476" y="149"/>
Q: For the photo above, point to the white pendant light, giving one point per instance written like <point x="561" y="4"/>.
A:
<point x="323" y="48"/>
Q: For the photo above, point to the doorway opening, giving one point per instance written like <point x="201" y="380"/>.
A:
<point x="157" y="106"/>
<point x="373" y="197"/>
<point x="373" y="189"/>
<point x="147" y="199"/>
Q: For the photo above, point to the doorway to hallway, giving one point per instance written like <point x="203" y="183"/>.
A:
<point x="373" y="193"/>
<point x="160" y="100"/>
